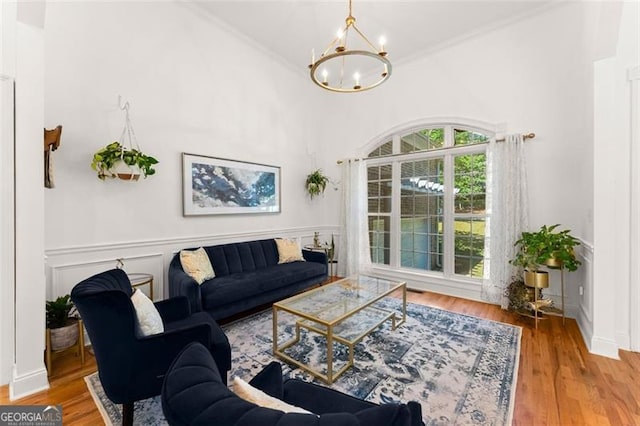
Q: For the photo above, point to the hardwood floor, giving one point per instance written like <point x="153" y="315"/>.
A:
<point x="559" y="381"/>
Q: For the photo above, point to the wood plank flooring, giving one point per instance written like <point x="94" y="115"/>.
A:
<point x="559" y="381"/>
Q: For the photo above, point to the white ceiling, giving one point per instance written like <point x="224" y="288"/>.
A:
<point x="290" y="29"/>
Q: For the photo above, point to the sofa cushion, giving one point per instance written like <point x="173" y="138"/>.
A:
<point x="148" y="320"/>
<point x="288" y="251"/>
<point x="223" y="290"/>
<point x="247" y="392"/>
<point x="197" y="265"/>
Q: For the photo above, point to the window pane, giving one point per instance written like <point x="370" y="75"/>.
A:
<point x="384" y="149"/>
<point x="467" y="137"/>
<point x="385" y="188"/>
<point x="373" y="188"/>
<point x="422" y="140"/>
<point x="374" y="205"/>
<point x="385" y="171"/>
<point x="406" y="206"/>
<point x="379" y="238"/>
<point x="469" y="247"/>
<point x="373" y="173"/>
<point x="470" y="183"/>
<point x="385" y="205"/>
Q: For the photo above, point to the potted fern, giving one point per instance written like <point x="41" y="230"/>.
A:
<point x="63" y="327"/>
<point x="316" y="183"/>
<point x="115" y="160"/>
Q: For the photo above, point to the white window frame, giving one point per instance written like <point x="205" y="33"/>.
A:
<point x="447" y="153"/>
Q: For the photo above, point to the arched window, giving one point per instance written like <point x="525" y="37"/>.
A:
<point x="427" y="200"/>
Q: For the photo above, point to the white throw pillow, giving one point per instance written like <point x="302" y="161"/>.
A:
<point x="148" y="320"/>
<point x="247" y="392"/>
<point x="288" y="251"/>
<point x="196" y="263"/>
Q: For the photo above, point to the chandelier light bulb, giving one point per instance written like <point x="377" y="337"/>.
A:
<point x="325" y="74"/>
<point x="356" y="77"/>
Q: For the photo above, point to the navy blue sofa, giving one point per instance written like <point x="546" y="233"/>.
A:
<point x="247" y="276"/>
<point x="193" y="393"/>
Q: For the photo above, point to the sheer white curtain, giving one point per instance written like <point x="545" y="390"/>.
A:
<point x="507" y="214"/>
<point x="353" y="249"/>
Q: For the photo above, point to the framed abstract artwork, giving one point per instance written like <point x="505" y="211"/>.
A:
<point x="213" y="185"/>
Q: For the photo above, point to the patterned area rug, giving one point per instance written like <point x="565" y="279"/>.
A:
<point x="462" y="369"/>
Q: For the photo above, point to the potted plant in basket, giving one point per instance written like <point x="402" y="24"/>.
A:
<point x="316" y="183"/>
<point x="115" y="160"/>
<point x="64" y="328"/>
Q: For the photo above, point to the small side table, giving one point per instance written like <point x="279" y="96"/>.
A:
<point x="326" y="248"/>
<point x="138" y="279"/>
<point x="50" y="354"/>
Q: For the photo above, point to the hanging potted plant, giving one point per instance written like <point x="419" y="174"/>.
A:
<point x="115" y="160"/>
<point x="316" y="183"/>
<point x="63" y="328"/>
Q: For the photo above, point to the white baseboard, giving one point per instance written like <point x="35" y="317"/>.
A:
<point x="623" y="340"/>
<point x="28" y="384"/>
<point x="604" y="347"/>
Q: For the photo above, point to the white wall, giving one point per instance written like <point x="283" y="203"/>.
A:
<point x="7" y="76"/>
<point x="193" y="87"/>
<point x="619" y="42"/>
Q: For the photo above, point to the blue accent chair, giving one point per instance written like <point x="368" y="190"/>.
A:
<point x="193" y="394"/>
<point x="132" y="368"/>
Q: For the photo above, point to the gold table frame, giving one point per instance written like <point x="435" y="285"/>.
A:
<point x="311" y="321"/>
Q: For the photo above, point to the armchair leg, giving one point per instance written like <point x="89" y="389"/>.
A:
<point x="127" y="414"/>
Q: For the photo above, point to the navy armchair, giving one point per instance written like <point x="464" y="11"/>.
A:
<point x="133" y="368"/>
<point x="193" y="394"/>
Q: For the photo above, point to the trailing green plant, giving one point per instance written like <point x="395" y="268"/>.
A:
<point x="106" y="158"/>
<point x="58" y="311"/>
<point x="316" y="183"/>
<point x="537" y="248"/>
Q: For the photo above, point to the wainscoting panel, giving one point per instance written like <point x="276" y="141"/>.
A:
<point x="585" y="301"/>
<point x="65" y="276"/>
<point x="67" y="266"/>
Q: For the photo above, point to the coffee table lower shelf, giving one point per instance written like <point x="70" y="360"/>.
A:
<point x="348" y="332"/>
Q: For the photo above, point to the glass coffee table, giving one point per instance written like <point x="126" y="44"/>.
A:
<point x="340" y="313"/>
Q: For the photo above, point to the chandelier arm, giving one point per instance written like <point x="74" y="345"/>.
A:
<point x="331" y="46"/>
<point x="342" y="71"/>
<point x="375" y="49"/>
<point x="346" y="36"/>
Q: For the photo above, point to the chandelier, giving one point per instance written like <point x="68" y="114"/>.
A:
<point x="351" y="63"/>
